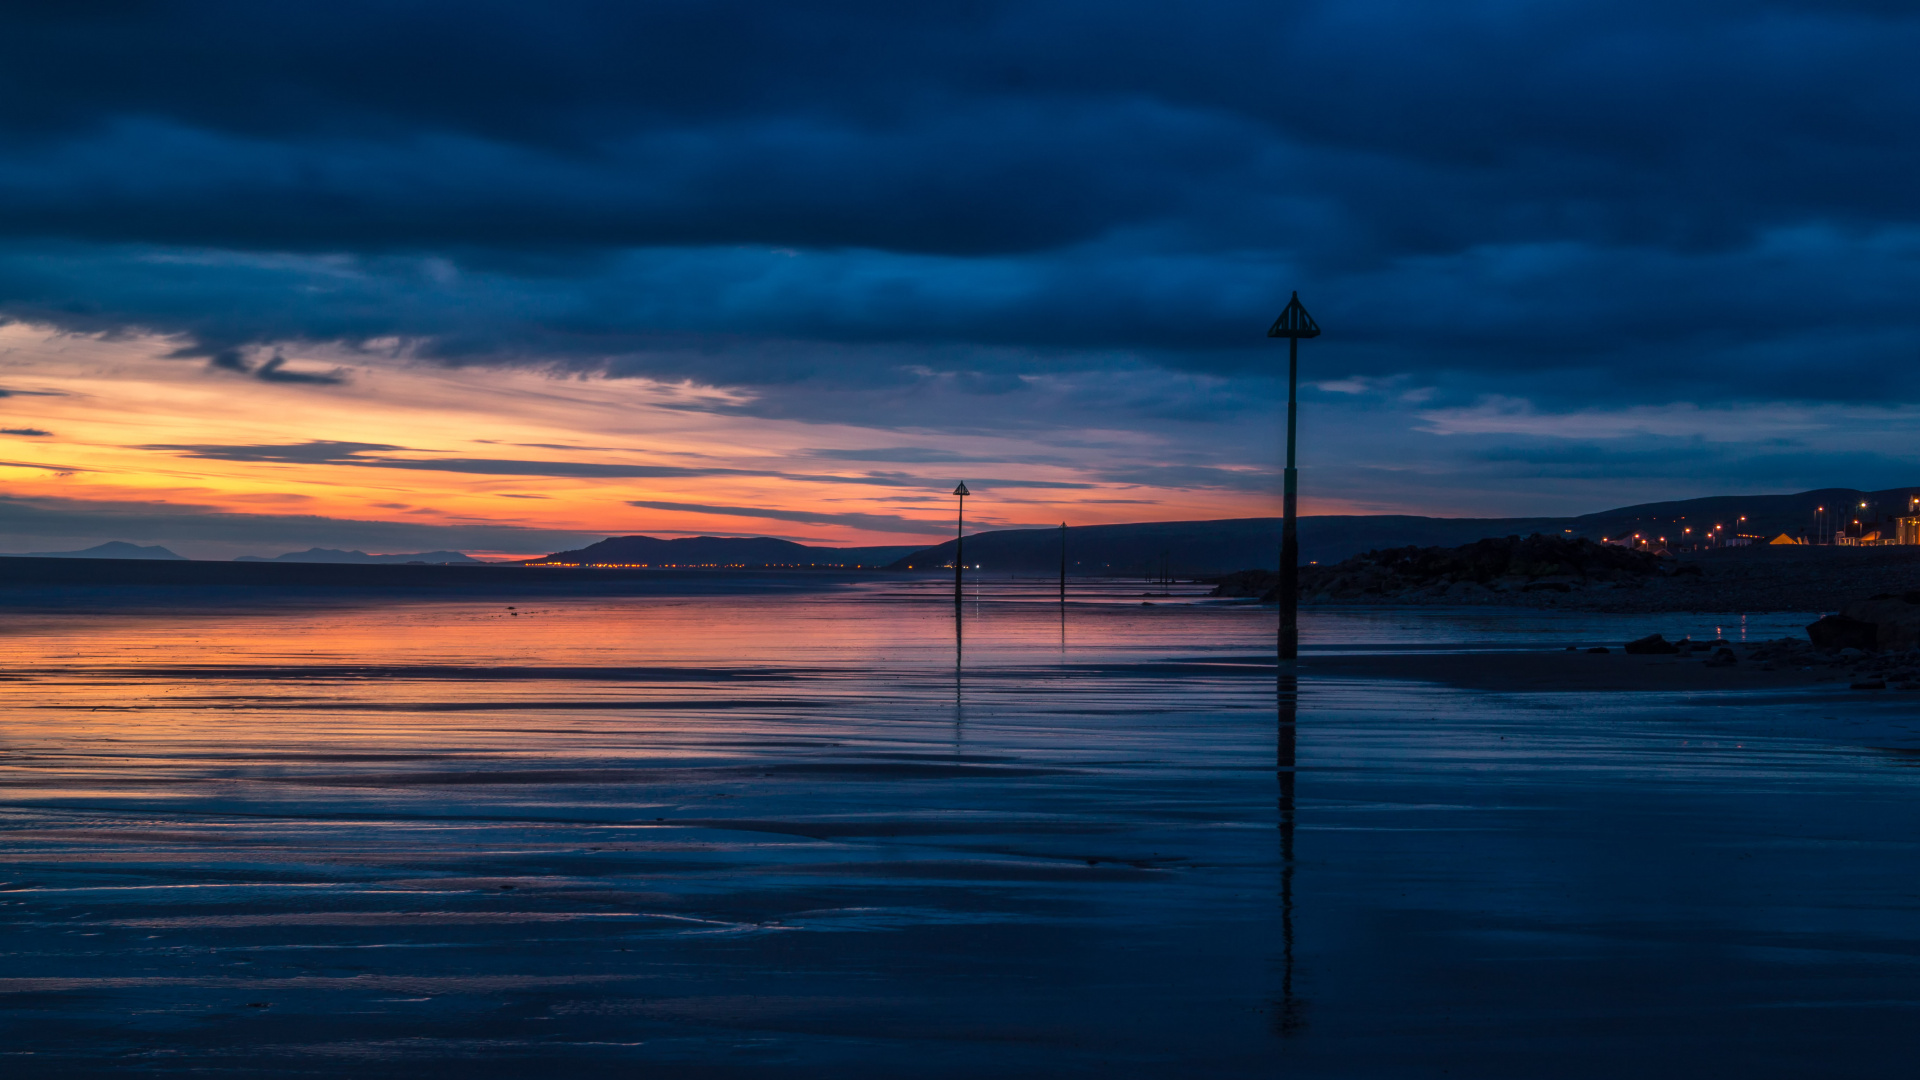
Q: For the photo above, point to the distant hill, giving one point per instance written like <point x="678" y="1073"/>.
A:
<point x="1214" y="547"/>
<point x="717" y="552"/>
<point x="1209" y="547"/>
<point x="1767" y="515"/>
<point x="1193" y="548"/>
<point x="112" y="549"/>
<point x="334" y="555"/>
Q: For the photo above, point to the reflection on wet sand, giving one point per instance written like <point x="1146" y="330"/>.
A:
<point x="959" y="651"/>
<point x="580" y="830"/>
<point x="842" y="835"/>
<point x="1287" y="1019"/>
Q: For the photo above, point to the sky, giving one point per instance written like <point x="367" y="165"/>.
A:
<point x="508" y="278"/>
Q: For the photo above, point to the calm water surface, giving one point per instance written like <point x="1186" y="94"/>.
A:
<point x="798" y="836"/>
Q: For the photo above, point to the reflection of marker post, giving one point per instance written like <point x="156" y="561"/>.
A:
<point x="959" y="631"/>
<point x="959" y="710"/>
<point x="1063" y="562"/>
<point x="959" y="536"/>
<point x="1287" y="1019"/>
<point x="1293" y="324"/>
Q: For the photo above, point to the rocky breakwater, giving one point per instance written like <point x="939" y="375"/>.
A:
<point x="1874" y="643"/>
<point x="1884" y="623"/>
<point x="1536" y="570"/>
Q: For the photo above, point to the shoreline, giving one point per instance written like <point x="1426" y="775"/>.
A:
<point x="1750" y="580"/>
<point x="1576" y="672"/>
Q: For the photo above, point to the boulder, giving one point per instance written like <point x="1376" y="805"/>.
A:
<point x="1895" y="621"/>
<point x="1842" y="631"/>
<point x="1651" y="645"/>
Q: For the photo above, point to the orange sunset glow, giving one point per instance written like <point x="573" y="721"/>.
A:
<point x="113" y="423"/>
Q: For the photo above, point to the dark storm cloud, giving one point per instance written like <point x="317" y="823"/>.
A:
<point x="25" y="522"/>
<point x="41" y="467"/>
<point x="892" y="454"/>
<point x="881" y="523"/>
<point x="327" y="452"/>
<point x="1192" y="476"/>
<point x="314" y="452"/>
<point x="1622" y="199"/>
<point x="274" y="369"/>
<point x="929" y="455"/>
<point x="511" y="467"/>
<point x="983" y="483"/>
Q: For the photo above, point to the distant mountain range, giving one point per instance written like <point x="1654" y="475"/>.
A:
<point x="335" y="555"/>
<point x="745" y="552"/>
<point x="112" y="549"/>
<point x="1184" y="548"/>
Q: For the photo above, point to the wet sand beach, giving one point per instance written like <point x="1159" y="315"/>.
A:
<point x="1570" y="672"/>
<point x="799" y="836"/>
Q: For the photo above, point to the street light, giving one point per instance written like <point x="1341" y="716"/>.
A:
<point x="1293" y="324"/>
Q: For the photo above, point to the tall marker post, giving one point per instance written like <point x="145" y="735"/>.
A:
<point x="1293" y="324"/>
<point x="959" y="536"/>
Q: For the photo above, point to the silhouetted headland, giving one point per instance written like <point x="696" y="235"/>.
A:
<point x="1211" y="548"/>
<point x="1551" y="572"/>
<point x="719" y="553"/>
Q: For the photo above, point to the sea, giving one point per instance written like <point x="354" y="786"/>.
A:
<point x="866" y="831"/>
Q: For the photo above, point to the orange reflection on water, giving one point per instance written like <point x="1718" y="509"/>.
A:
<point x="162" y="706"/>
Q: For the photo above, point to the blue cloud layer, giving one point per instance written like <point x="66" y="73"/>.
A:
<point x="833" y="204"/>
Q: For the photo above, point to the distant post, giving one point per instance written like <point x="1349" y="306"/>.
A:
<point x="959" y="536"/>
<point x="1293" y="324"/>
